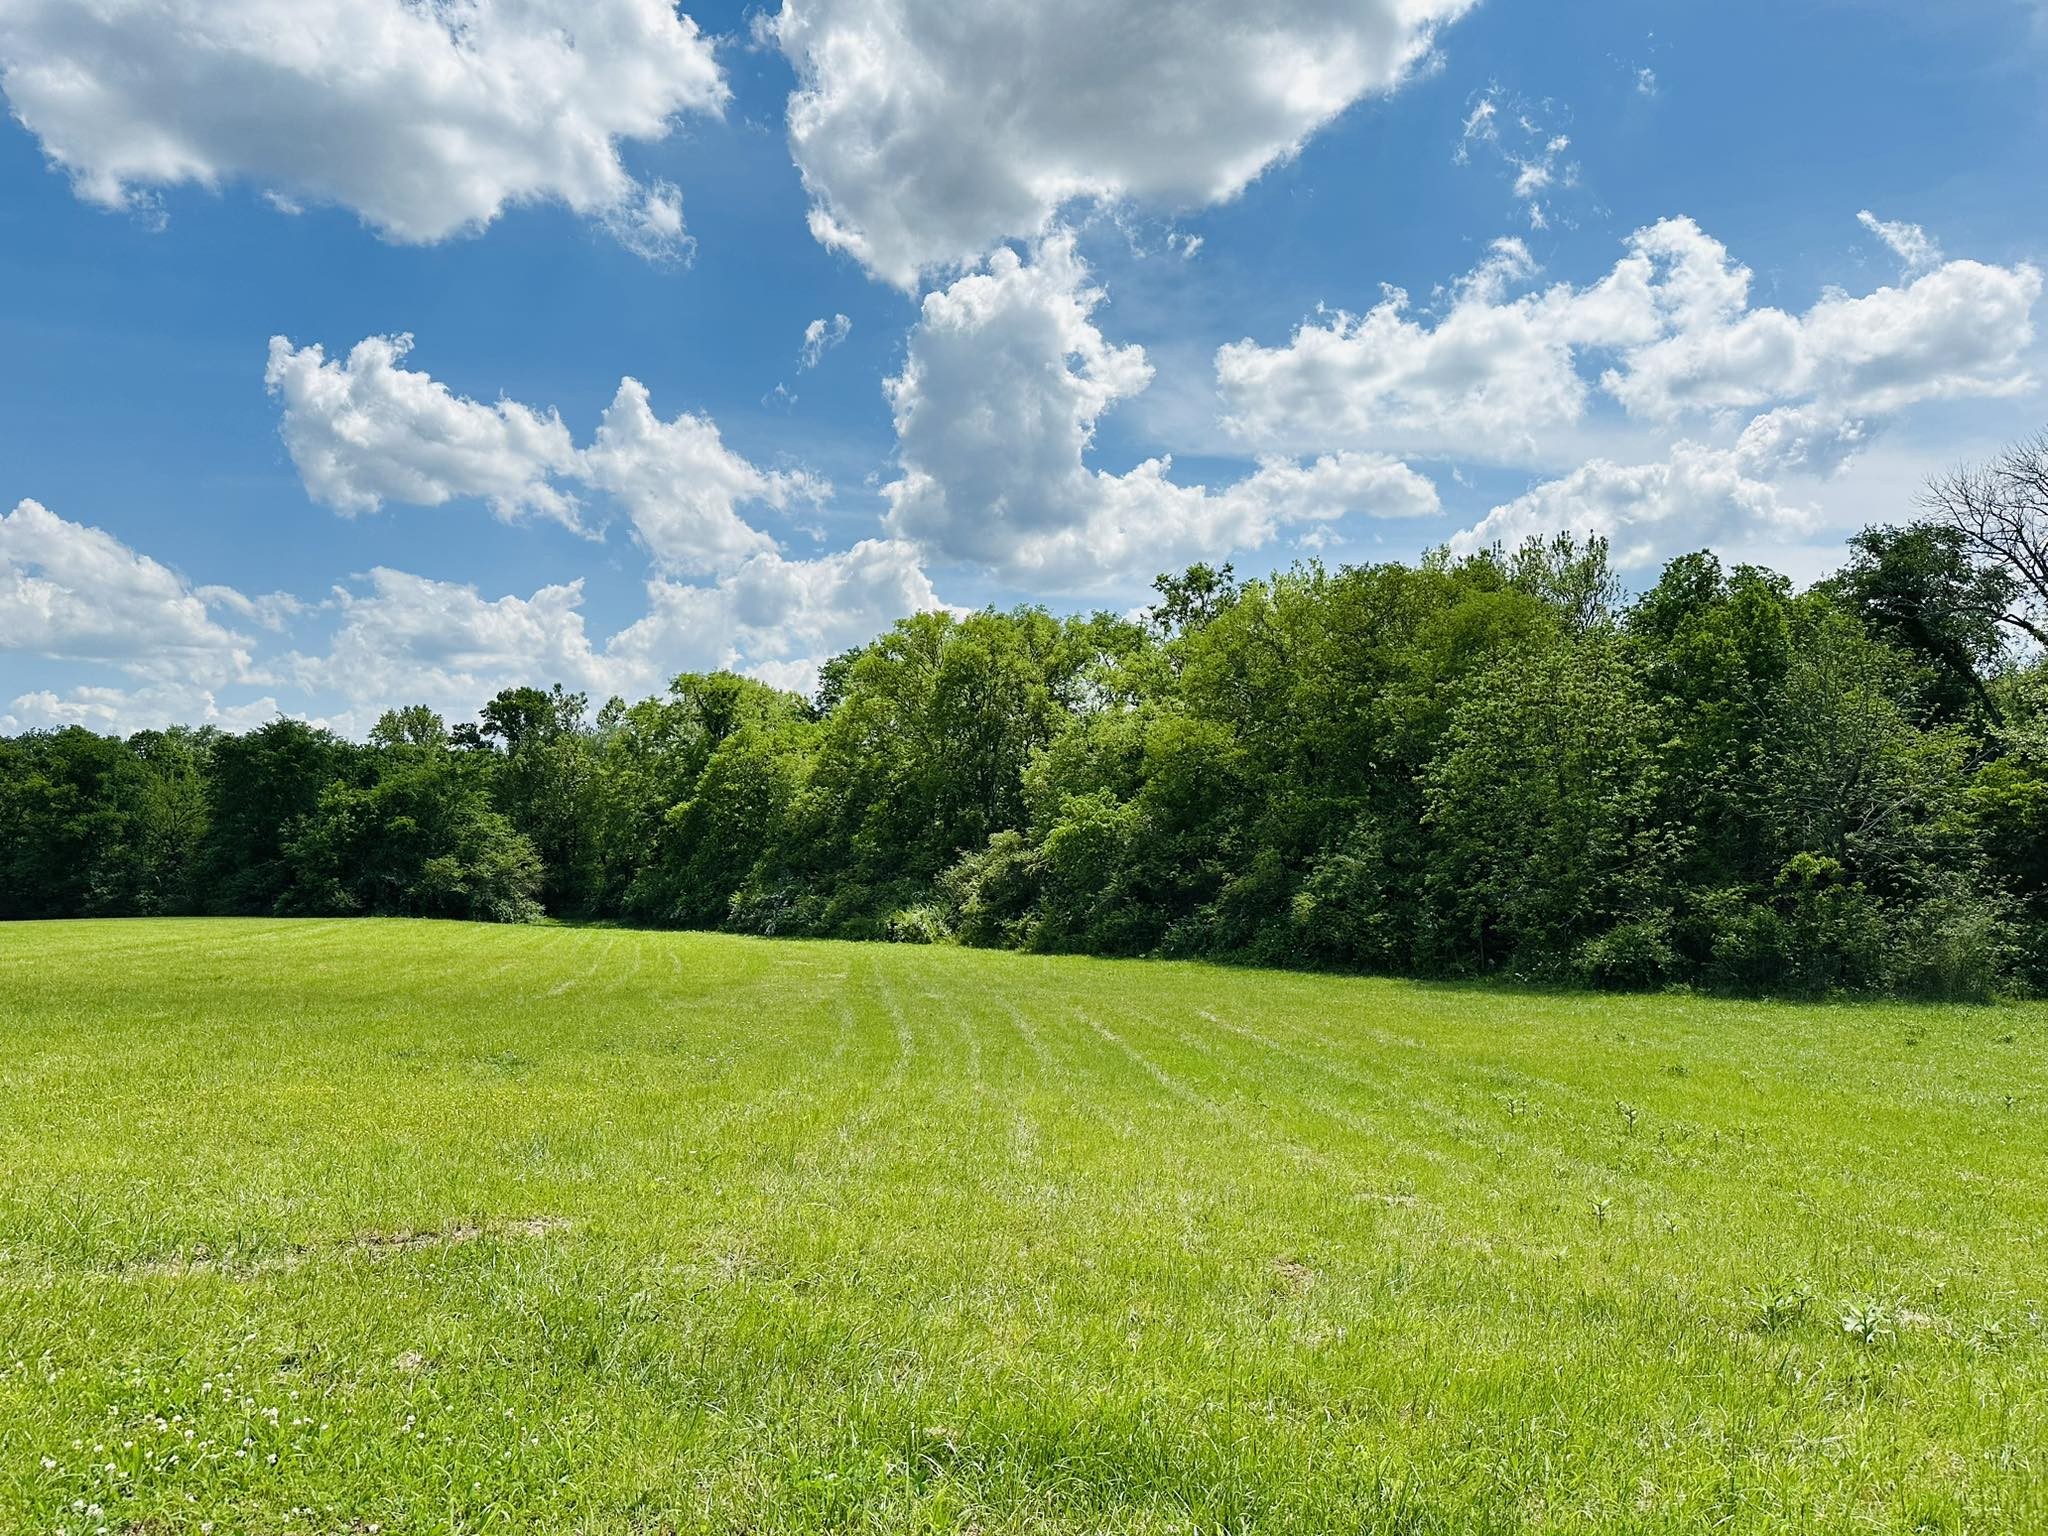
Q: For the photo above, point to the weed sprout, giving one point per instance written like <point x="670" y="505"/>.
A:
<point x="1869" y="1321"/>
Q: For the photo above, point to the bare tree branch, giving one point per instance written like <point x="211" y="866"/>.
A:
<point x="2000" y="511"/>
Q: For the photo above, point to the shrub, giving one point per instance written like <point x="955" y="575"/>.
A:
<point x="1748" y="946"/>
<point x="774" y="908"/>
<point x="1632" y="955"/>
<point x="992" y="894"/>
<point x="1344" y="912"/>
<point x="924" y="923"/>
<point x="1956" y="946"/>
<point x="1838" y="938"/>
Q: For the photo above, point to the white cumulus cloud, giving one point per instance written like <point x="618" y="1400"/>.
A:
<point x="996" y="409"/>
<point x="776" y="618"/>
<point x="124" y="711"/>
<point x="1490" y="379"/>
<point x="928" y="131"/>
<point x="368" y="430"/>
<point x="1800" y="439"/>
<point x="426" y="119"/>
<point x="649" y="223"/>
<point x="1712" y="401"/>
<point x="682" y="487"/>
<point x="1697" y="497"/>
<point x="1498" y="374"/>
<point x="404" y="638"/>
<point x="75" y="593"/>
<point x="412" y="640"/>
<point x="1960" y="329"/>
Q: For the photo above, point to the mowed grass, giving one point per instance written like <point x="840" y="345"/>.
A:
<point x="338" y="1227"/>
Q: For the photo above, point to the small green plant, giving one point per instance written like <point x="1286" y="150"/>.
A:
<point x="1774" y="1310"/>
<point x="1628" y="1114"/>
<point x="1600" y="1210"/>
<point x="1869" y="1321"/>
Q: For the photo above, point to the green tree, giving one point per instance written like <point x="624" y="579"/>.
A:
<point x="258" y="787"/>
<point x="1543" y="813"/>
<point x="1918" y="589"/>
<point x="171" y="817"/>
<point x="416" y="836"/>
<point x="70" y="826"/>
<point x="546" y="785"/>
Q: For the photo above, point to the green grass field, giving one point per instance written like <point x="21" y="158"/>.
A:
<point x="340" y="1227"/>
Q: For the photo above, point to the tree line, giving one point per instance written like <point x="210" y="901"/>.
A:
<point x="1493" y="765"/>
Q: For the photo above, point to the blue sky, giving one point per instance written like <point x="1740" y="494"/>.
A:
<point x="1114" y="280"/>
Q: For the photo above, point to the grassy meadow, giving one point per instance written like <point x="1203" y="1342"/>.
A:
<point x="406" y="1227"/>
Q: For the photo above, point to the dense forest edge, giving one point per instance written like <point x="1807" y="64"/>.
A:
<point x="1492" y="765"/>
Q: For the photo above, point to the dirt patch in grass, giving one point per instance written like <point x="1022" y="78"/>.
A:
<point x="409" y="1241"/>
<point x="1293" y="1276"/>
<point x="378" y="1245"/>
<point x="533" y="1226"/>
